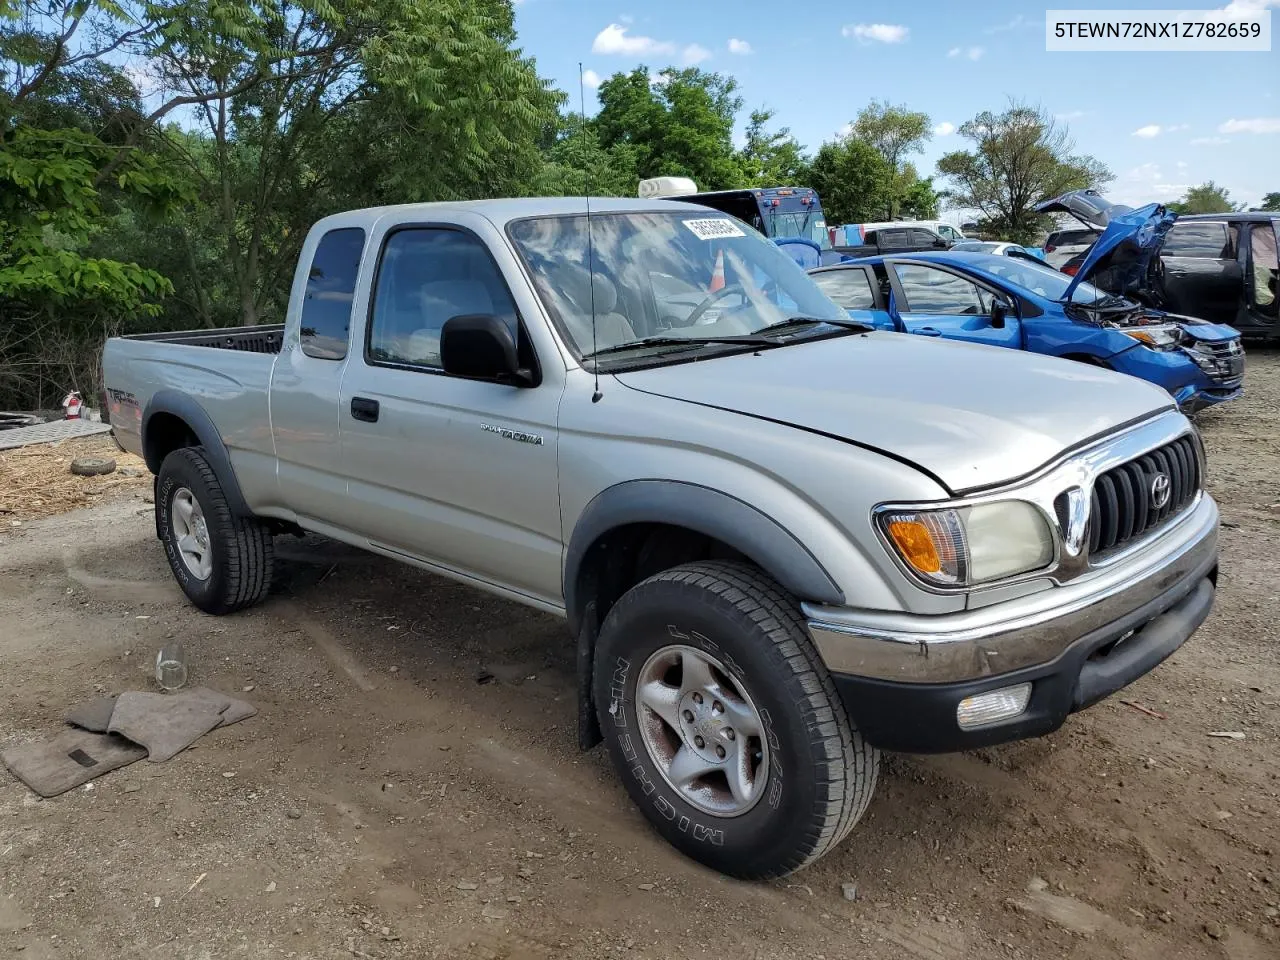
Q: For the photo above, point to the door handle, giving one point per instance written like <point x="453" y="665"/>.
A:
<point x="364" y="409"/>
<point x="929" y="332"/>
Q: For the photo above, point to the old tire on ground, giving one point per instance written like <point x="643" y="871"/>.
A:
<point x="222" y="562"/>
<point x="705" y="672"/>
<point x="92" y="466"/>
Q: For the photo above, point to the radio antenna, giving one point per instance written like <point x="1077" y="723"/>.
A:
<point x="591" y="253"/>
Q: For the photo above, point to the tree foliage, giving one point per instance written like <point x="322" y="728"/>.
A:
<point x="1270" y="201"/>
<point x="1206" y="198"/>
<point x="853" y="179"/>
<point x="677" y="123"/>
<point x="1020" y="158"/>
<point x="771" y="159"/>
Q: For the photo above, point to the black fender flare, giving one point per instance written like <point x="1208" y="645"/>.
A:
<point x="726" y="518"/>
<point x="703" y="510"/>
<point x="186" y="409"/>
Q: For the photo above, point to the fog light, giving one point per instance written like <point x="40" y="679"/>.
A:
<point x="992" y="707"/>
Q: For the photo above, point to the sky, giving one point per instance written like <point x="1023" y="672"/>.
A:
<point x="1160" y="121"/>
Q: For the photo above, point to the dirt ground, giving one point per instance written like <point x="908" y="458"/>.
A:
<point x="411" y="786"/>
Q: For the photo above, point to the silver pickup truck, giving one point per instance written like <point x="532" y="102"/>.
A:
<point x="782" y="543"/>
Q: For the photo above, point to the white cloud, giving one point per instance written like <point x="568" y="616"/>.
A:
<point x="1071" y="115"/>
<point x="694" y="53"/>
<point x="879" y="32"/>
<point x="1181" y="164"/>
<point x="972" y="53"/>
<point x="1254" y="125"/>
<point x="1147" y="183"/>
<point x="626" y="18"/>
<point x="613" y="39"/>
<point x="1155" y="130"/>
<point x="1246" y="7"/>
<point x="1017" y="23"/>
<point x="845" y="131"/>
<point x="658" y="79"/>
<point x="591" y="79"/>
<point x="945" y="129"/>
<point x="1208" y="141"/>
<point x="740" y="47"/>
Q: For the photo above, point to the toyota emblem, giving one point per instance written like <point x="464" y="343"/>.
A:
<point x="1160" y="490"/>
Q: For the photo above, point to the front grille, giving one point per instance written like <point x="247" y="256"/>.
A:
<point x="1223" y="360"/>
<point x="1125" y="497"/>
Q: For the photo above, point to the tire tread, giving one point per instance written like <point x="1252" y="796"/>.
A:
<point x="247" y="544"/>
<point x="848" y="766"/>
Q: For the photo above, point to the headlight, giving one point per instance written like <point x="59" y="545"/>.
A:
<point x="1163" y="337"/>
<point x="962" y="546"/>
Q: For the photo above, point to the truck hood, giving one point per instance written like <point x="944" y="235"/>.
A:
<point x="971" y="416"/>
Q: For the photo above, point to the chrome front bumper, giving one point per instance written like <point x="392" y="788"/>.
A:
<point x="1028" y="631"/>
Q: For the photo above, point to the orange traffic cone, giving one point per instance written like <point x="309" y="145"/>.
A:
<point x="717" y="275"/>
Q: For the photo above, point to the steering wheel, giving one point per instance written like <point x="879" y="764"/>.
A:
<point x="713" y="299"/>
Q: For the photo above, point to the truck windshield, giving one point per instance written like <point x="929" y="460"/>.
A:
<point x="658" y="279"/>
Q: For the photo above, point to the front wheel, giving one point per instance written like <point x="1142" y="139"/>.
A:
<point x="222" y="561"/>
<point x="724" y="723"/>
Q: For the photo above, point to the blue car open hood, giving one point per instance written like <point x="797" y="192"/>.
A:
<point x="1125" y="248"/>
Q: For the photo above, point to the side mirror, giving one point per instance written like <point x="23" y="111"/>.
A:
<point x="999" y="311"/>
<point x="940" y="244"/>
<point x="480" y="346"/>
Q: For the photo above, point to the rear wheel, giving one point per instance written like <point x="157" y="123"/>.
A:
<point x="222" y="562"/>
<point x="724" y="723"/>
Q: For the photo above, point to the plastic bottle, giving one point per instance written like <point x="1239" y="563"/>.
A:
<point x="171" y="667"/>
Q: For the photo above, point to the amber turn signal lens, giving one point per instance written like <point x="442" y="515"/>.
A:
<point x="915" y="543"/>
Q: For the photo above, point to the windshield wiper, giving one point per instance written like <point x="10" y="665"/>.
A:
<point x="749" y="340"/>
<point x="797" y="321"/>
<point x="757" y="338"/>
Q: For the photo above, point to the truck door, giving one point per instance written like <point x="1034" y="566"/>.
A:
<point x="934" y="301"/>
<point x="304" y="382"/>
<point x="1200" y="275"/>
<point x="454" y="472"/>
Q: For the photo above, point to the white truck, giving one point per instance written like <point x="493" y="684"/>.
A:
<point x="782" y="543"/>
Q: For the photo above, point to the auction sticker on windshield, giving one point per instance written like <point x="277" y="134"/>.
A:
<point x="713" y="228"/>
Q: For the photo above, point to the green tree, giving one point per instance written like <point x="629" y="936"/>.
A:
<point x="67" y="120"/>
<point x="853" y="179"/>
<point x="1206" y="198"/>
<point x="425" y="101"/>
<point x="1019" y="159"/>
<point x="678" y="124"/>
<point x="771" y="159"/>
<point x="1270" y="201"/>
<point x="575" y="164"/>
<point x="917" y="199"/>
<point x="896" y="133"/>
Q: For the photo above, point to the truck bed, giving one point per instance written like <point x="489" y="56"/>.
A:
<point x="262" y="338"/>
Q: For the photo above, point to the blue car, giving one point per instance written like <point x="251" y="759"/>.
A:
<point x="1022" y="303"/>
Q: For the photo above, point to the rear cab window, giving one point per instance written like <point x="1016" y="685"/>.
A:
<point x="325" y="323"/>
